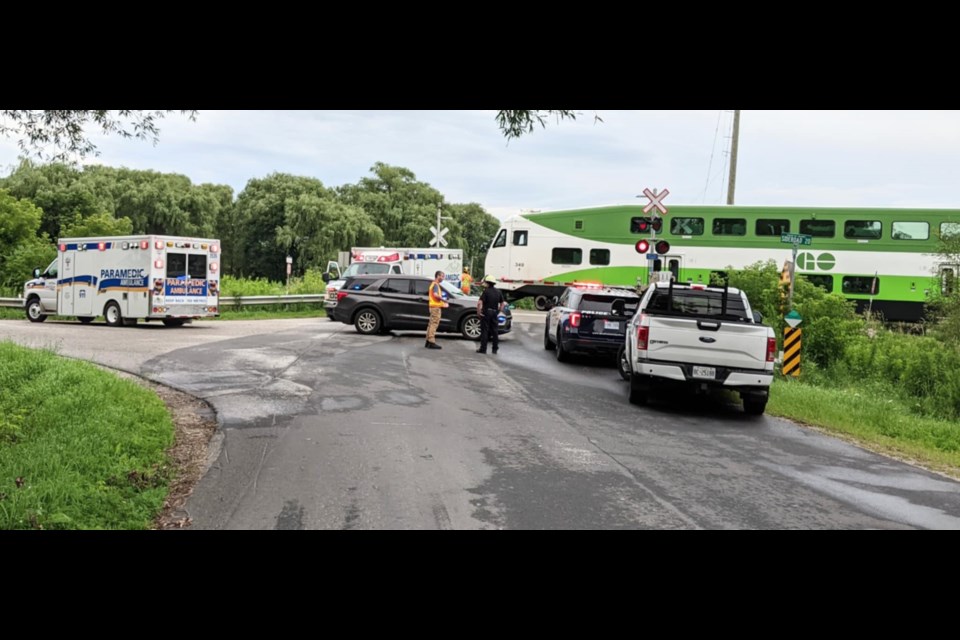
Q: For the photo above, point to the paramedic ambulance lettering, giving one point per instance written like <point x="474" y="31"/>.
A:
<point x="177" y="287"/>
<point x="122" y="280"/>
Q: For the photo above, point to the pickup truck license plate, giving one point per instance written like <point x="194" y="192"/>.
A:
<point x="611" y="325"/>
<point x="704" y="372"/>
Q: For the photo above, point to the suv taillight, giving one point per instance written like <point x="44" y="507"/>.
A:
<point x="575" y="319"/>
<point x="771" y="349"/>
<point x="341" y="295"/>
<point x="643" y="333"/>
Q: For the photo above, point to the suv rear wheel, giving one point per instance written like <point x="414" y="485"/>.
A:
<point x="562" y="354"/>
<point x="368" y="322"/>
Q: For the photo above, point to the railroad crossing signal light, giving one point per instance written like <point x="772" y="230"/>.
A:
<point x="644" y="225"/>
<point x="662" y="247"/>
<point x="642" y="246"/>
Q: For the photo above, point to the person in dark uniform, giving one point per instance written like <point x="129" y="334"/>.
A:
<point x="489" y="307"/>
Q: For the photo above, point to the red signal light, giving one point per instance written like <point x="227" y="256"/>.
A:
<point x="657" y="224"/>
<point x="642" y="246"/>
<point x="663" y="247"/>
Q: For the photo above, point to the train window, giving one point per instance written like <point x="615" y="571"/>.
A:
<point x="578" y="224"/>
<point x="818" y="228"/>
<point x="869" y="285"/>
<point x="520" y="238"/>
<point x="862" y="229"/>
<point x="729" y="227"/>
<point x="599" y="256"/>
<point x="686" y="226"/>
<point x="772" y="227"/>
<point x="567" y="256"/>
<point x="501" y="240"/>
<point x="948" y="229"/>
<point x="824" y="282"/>
<point x="910" y="231"/>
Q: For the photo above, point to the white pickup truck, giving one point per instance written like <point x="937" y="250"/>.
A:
<point x="703" y="337"/>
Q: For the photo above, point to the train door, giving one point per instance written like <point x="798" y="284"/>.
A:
<point x="948" y="279"/>
<point x="671" y="263"/>
<point x="519" y="255"/>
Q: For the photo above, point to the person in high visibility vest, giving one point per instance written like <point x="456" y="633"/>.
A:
<point x="465" y="281"/>
<point x="436" y="303"/>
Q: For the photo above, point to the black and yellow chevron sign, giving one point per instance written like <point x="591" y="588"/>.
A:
<point x="791" y="351"/>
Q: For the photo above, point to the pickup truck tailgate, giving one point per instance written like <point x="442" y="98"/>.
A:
<point x="737" y="345"/>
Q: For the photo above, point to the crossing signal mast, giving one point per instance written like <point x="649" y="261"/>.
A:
<point x="652" y="248"/>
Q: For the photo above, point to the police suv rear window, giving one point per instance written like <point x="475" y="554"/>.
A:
<point x="604" y="304"/>
<point x="699" y="303"/>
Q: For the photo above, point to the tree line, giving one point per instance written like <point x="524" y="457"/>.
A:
<point x="274" y="216"/>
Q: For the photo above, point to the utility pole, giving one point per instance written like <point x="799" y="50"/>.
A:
<point x="732" y="184"/>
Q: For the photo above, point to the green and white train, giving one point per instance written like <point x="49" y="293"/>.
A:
<point x="889" y="256"/>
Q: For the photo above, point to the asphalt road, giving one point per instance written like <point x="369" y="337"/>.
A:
<point x="323" y="428"/>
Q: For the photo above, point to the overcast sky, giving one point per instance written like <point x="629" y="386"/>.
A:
<point x="819" y="158"/>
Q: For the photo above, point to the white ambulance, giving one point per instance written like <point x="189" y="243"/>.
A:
<point x="128" y="278"/>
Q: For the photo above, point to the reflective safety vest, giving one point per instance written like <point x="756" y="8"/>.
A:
<point x="436" y="295"/>
<point x="465" y="282"/>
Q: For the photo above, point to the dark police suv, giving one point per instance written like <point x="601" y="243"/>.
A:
<point x="589" y="319"/>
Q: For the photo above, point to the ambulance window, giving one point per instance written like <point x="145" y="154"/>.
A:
<point x="197" y="266"/>
<point x="52" y="270"/>
<point x="176" y="265"/>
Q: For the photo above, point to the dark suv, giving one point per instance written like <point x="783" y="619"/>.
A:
<point x="589" y="319"/>
<point x="380" y="303"/>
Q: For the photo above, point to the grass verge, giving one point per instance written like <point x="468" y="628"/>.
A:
<point x="873" y="415"/>
<point x="80" y="448"/>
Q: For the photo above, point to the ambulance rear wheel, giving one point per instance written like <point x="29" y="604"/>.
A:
<point x="35" y="311"/>
<point x="85" y="319"/>
<point x="111" y="313"/>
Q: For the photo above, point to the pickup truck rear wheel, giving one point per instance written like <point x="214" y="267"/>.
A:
<point x="547" y="342"/>
<point x="35" y="310"/>
<point x="622" y="365"/>
<point x="562" y="354"/>
<point x="754" y="406"/>
<point x="639" y="390"/>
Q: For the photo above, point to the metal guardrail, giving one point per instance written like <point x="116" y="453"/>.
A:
<point x="232" y="301"/>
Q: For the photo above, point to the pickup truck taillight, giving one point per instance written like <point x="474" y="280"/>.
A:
<point x="575" y="319"/>
<point x="341" y="295"/>
<point x="771" y="349"/>
<point x="643" y="333"/>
